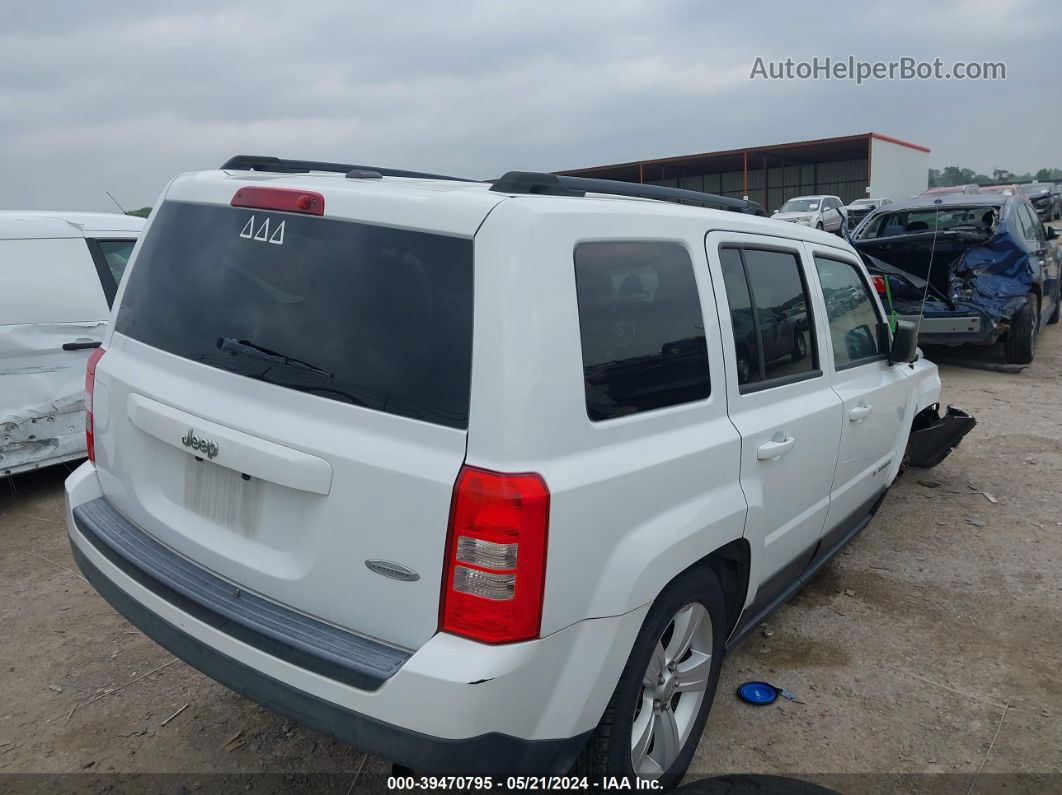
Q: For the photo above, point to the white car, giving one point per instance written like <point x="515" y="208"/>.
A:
<point x="820" y="212"/>
<point x="861" y="208"/>
<point x="59" y="272"/>
<point x="464" y="474"/>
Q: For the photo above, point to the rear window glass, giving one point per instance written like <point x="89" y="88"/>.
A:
<point x="366" y="315"/>
<point x="904" y="222"/>
<point x="641" y="326"/>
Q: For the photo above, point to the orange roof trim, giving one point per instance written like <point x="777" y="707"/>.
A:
<point x="892" y="140"/>
<point x="661" y="161"/>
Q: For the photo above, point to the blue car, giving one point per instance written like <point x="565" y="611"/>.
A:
<point x="971" y="269"/>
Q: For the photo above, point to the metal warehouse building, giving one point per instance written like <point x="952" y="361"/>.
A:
<point x="852" y="167"/>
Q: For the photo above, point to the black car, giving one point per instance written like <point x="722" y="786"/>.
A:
<point x="969" y="269"/>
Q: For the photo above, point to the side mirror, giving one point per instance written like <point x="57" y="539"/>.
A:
<point x="1052" y="233"/>
<point x="904" y="343"/>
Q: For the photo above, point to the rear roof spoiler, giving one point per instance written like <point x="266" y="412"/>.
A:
<point x="281" y="166"/>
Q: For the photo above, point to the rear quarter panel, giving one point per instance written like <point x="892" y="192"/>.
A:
<point x="634" y="500"/>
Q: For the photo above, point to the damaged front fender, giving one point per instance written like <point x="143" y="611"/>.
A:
<point x="934" y="437"/>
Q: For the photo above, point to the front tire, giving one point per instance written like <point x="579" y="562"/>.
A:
<point x="654" y="720"/>
<point x="1020" y="345"/>
<point x="800" y="347"/>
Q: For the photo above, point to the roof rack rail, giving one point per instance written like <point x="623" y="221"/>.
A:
<point x="282" y="166"/>
<point x="560" y="185"/>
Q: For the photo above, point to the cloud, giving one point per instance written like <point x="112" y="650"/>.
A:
<point x="121" y="96"/>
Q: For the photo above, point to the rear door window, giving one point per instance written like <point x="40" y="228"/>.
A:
<point x="746" y="339"/>
<point x="641" y="326"/>
<point x="366" y="315"/>
<point x="770" y="314"/>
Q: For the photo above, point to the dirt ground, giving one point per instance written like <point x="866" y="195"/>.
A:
<point x="932" y="645"/>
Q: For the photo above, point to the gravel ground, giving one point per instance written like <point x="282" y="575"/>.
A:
<point x="930" y="646"/>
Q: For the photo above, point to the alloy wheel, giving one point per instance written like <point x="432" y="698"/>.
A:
<point x="673" y="690"/>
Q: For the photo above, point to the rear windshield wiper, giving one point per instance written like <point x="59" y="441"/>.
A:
<point x="251" y="349"/>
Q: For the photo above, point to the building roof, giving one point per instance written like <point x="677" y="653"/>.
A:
<point x="838" y="148"/>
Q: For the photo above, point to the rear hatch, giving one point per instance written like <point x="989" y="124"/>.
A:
<point x="285" y="397"/>
<point x="918" y="257"/>
<point x="935" y="252"/>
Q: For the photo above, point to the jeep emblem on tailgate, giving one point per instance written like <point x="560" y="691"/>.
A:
<point x="200" y="444"/>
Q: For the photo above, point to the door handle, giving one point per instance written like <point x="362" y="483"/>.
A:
<point x="860" y="412"/>
<point x="80" y="346"/>
<point x="778" y="446"/>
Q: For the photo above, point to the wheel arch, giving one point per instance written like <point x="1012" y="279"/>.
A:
<point x="731" y="564"/>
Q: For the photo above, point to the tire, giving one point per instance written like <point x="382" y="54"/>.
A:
<point x="819" y="226"/>
<point x="1058" y="305"/>
<point x="693" y="598"/>
<point x="800" y="347"/>
<point x="1020" y="345"/>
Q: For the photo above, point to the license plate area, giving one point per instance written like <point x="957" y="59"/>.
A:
<point x="222" y="495"/>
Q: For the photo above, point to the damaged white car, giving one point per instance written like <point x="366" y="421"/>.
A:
<point x="60" y="272"/>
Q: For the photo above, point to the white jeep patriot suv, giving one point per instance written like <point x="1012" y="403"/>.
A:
<point x="483" y="478"/>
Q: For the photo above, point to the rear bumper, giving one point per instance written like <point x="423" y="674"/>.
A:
<point x="453" y="706"/>
<point x="491" y="753"/>
<point x="959" y="329"/>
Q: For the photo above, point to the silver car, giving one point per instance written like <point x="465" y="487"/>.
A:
<point x="821" y="212"/>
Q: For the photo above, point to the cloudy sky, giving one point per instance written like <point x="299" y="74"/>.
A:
<point x="121" y="96"/>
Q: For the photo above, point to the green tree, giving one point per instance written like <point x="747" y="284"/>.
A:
<point x="954" y="175"/>
<point x="143" y="212"/>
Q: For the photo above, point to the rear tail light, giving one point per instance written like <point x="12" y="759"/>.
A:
<point x="90" y="386"/>
<point x="879" y="285"/>
<point x="282" y="199"/>
<point x="495" y="557"/>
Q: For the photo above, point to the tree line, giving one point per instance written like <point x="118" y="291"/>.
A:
<point x="955" y="175"/>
